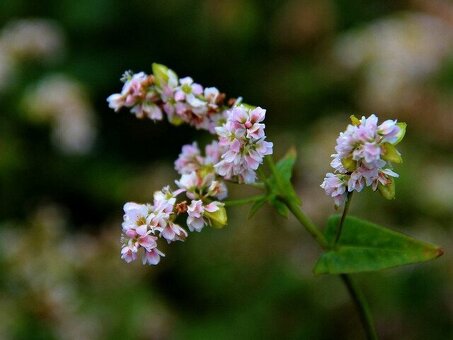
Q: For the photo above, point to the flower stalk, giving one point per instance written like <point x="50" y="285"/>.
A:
<point x="353" y="289"/>
<point x="343" y="217"/>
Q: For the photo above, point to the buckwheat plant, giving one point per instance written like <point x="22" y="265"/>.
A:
<point x="364" y="157"/>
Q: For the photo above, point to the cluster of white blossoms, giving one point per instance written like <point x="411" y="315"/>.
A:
<point x="182" y="100"/>
<point x="235" y="156"/>
<point x="364" y="156"/>
<point x="62" y="101"/>
<point x="203" y="189"/>
<point x="27" y="40"/>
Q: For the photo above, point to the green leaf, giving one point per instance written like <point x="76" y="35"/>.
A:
<point x="402" y="132"/>
<point x="281" y="207"/>
<point x="286" y="164"/>
<point x="256" y="206"/>
<point x="279" y="184"/>
<point x="364" y="246"/>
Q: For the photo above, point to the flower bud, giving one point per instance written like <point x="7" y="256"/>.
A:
<point x="387" y="191"/>
<point x="175" y="120"/>
<point x="354" y="120"/>
<point x="217" y="218"/>
<point x="247" y="106"/>
<point x="391" y="154"/>
<point x="162" y="74"/>
<point x="349" y="164"/>
<point x="402" y="132"/>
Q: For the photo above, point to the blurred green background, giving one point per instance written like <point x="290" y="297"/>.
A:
<point x="68" y="163"/>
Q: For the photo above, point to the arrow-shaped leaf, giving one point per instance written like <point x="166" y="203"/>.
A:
<point x="365" y="246"/>
<point x="279" y="183"/>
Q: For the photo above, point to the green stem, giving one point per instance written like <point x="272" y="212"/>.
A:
<point x="343" y="217"/>
<point x="307" y="223"/>
<point x="258" y="185"/>
<point x="294" y="207"/>
<point x="362" y="306"/>
<point x="244" y="201"/>
<point x="354" y="291"/>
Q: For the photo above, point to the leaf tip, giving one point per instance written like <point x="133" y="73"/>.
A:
<point x="292" y="152"/>
<point x="440" y="252"/>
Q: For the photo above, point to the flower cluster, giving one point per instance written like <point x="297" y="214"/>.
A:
<point x="235" y="156"/>
<point x="143" y="224"/>
<point x="243" y="135"/>
<point x="181" y="100"/>
<point x="364" y="156"/>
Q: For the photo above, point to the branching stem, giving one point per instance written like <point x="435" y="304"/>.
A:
<point x="353" y="289"/>
<point x="244" y="201"/>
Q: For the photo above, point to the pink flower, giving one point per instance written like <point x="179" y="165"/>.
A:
<point x="138" y="94"/>
<point x="389" y="130"/>
<point x="135" y="219"/>
<point x="360" y="157"/>
<point x="134" y="89"/>
<point x="173" y="232"/>
<point x="190" y="92"/>
<point x="369" y="152"/>
<point x="249" y="121"/>
<point x="152" y="257"/>
<point x="356" y="182"/>
<point x="147" y="241"/>
<point x="383" y="178"/>
<point x="195" y="220"/>
<point x="116" y="101"/>
<point x="189" y="182"/>
<point x="346" y="141"/>
<point x="218" y="190"/>
<point x="164" y="200"/>
<point x="213" y="153"/>
<point x="335" y="187"/>
<point x="211" y="94"/>
<point x="337" y="165"/>
<point x="189" y="159"/>
<point x="147" y="109"/>
<point x="129" y="253"/>
<point x="242" y="135"/>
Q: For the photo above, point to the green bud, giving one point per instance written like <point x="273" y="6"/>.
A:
<point x="354" y="120"/>
<point x="176" y="120"/>
<point x="205" y="171"/>
<point x="391" y="154"/>
<point x="402" y="132"/>
<point x="217" y="218"/>
<point x="162" y="74"/>
<point x="349" y="164"/>
<point x="247" y="106"/>
<point x="387" y="191"/>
